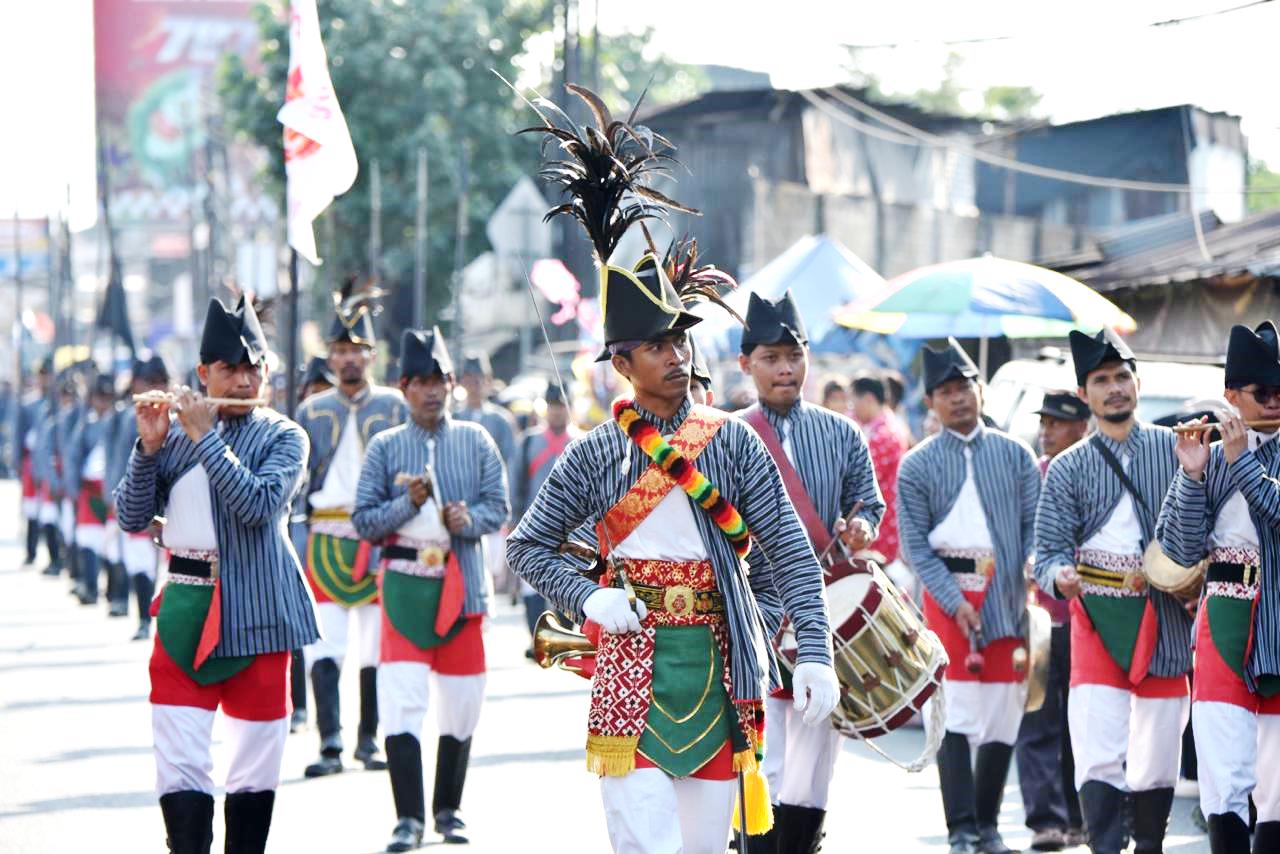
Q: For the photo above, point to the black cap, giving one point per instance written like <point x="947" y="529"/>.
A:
<point x="1090" y="352"/>
<point x="640" y="304"/>
<point x="1064" y="405"/>
<point x="1253" y="356"/>
<point x="476" y="362"/>
<point x="423" y="354"/>
<point x="150" y="368"/>
<point x="317" y="371"/>
<point x="233" y="336"/>
<point x="773" y="322"/>
<point x="947" y="364"/>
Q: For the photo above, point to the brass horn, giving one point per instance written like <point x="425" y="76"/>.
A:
<point x="554" y="643"/>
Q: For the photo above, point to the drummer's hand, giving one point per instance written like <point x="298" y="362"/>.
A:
<point x="967" y="618"/>
<point x="1192" y="449"/>
<point x="194" y="414"/>
<point x="153" y="425"/>
<point x="816" y="690"/>
<point x="609" y="607"/>
<point x="1235" y="436"/>
<point x="1068" y="582"/>
<point x="419" y="490"/>
<point x="855" y="534"/>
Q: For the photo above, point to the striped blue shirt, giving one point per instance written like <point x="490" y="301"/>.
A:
<point x="595" y="472"/>
<point x="1008" y="484"/>
<point x="467" y="468"/>
<point x="254" y="464"/>
<point x="1079" y="495"/>
<point x="1190" y="513"/>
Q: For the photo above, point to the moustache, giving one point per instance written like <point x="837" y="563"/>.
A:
<point x="676" y="375"/>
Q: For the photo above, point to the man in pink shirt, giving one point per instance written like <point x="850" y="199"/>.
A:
<point x="886" y="448"/>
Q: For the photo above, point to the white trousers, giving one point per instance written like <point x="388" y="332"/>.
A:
<point x="1124" y="740"/>
<point x="1232" y="744"/>
<point x="48" y="513"/>
<point x="986" y="712"/>
<point x="335" y="628"/>
<point x="799" y="760"/>
<point x="638" y="810"/>
<point x="404" y="692"/>
<point x="139" y="556"/>
<point x="67" y="519"/>
<point x="183" y="738"/>
<point x="92" y="537"/>
<point x="111" y="542"/>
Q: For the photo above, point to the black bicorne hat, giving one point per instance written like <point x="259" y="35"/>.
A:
<point x="640" y="304"/>
<point x="317" y="371"/>
<point x="423" y="353"/>
<point x="476" y="362"/>
<point x="1253" y="356"/>
<point x="773" y="322"/>
<point x="233" y="336"/>
<point x="700" y="372"/>
<point x="1064" y="405"/>
<point x="354" y="307"/>
<point x="1090" y="352"/>
<point x="947" y="364"/>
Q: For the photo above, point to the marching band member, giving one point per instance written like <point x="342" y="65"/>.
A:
<point x="29" y="414"/>
<point x="69" y="411"/>
<point x="966" y="514"/>
<point x="1130" y="645"/>
<point x="1225" y="505"/>
<point x="235" y="601"/>
<point x="340" y="424"/>
<point x="85" y="465"/>
<point x="44" y="470"/>
<point x="428" y="491"/>
<point x="827" y="471"/>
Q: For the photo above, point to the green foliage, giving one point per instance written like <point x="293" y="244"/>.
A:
<point x="628" y="66"/>
<point x="1003" y="103"/>
<point x="1262" y="178"/>
<point x="1010" y="102"/>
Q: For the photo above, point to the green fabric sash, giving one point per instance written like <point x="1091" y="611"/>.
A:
<point x="410" y="603"/>
<point x="1117" y="621"/>
<point x="182" y="611"/>
<point x="1229" y="623"/>
<point x="330" y="560"/>
<point x="690" y="714"/>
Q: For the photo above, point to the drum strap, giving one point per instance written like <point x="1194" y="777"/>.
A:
<point x="1114" y="464"/>
<point x="819" y="536"/>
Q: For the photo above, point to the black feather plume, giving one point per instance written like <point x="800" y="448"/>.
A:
<point x="693" y="282"/>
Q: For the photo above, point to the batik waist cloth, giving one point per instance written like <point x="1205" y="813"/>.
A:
<point x="665" y="691"/>
<point x="188" y="617"/>
<point x="422" y="590"/>
<point x="413" y="556"/>
<point x="338" y="560"/>
<point x="1231" y="587"/>
<point x="971" y="569"/>
<point x="1113" y="593"/>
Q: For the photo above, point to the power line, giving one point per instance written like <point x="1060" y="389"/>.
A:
<point x="1004" y="38"/>
<point x="907" y="134"/>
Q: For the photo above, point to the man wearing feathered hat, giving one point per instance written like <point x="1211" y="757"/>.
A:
<point x="1130" y="643"/>
<point x="831" y="482"/>
<point x="677" y="493"/>
<point x="428" y="491"/>
<point x="340" y="424"/>
<point x="1225" y="506"/>
<point x="223" y="476"/>
<point x="966" y="516"/>
<point x="137" y="552"/>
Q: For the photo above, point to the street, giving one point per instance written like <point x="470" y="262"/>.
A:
<point x="77" y="770"/>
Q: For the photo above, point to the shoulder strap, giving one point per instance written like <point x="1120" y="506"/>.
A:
<point x="819" y="536"/>
<point x="1119" y="471"/>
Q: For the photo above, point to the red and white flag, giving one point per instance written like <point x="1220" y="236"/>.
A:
<point x="319" y="159"/>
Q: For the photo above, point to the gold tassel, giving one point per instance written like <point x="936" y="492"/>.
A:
<point x="612" y="755"/>
<point x="759" y="807"/>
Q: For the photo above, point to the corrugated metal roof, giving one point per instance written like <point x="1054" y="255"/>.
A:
<point x="1249" y="246"/>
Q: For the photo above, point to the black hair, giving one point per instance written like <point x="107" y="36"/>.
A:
<point x="895" y="387"/>
<point x="830" y="387"/>
<point x="868" y="384"/>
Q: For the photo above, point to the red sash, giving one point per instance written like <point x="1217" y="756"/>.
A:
<point x="556" y="443"/>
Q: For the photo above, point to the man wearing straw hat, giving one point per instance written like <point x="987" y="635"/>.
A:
<point x="1225" y="506"/>
<point x="1130" y="644"/>
<point x="966" y="514"/>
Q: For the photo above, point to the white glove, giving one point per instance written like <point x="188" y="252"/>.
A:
<point x="608" y="606"/>
<point x="816" y="690"/>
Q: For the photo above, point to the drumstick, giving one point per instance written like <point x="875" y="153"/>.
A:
<point x="170" y="397"/>
<point x="1270" y="424"/>
<point x="857" y="505"/>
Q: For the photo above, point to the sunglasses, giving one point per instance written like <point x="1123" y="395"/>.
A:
<point x="1263" y="394"/>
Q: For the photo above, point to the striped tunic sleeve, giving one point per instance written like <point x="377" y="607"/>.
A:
<point x="1258" y="488"/>
<point x="1183" y="526"/>
<point x="256" y="497"/>
<point x="1056" y="528"/>
<point x="138" y="495"/>
<point x="915" y="521"/>
<point x="493" y="507"/>
<point x="378" y="513"/>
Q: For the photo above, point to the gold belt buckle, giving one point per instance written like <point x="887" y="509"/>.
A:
<point x="1250" y="575"/>
<point x="1134" y="581"/>
<point x="431" y="556"/>
<point x="213" y="568"/>
<point x="678" y="601"/>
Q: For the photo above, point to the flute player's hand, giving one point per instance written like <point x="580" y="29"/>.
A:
<point x="153" y="424"/>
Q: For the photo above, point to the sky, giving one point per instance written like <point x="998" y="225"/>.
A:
<point x="1087" y="58"/>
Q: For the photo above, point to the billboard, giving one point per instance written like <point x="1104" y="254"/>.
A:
<point x="157" y="108"/>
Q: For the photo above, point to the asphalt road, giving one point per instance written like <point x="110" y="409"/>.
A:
<point x="76" y="771"/>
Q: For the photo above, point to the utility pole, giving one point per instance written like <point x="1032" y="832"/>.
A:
<point x="461" y="228"/>
<point x="375" y="221"/>
<point x="420" y="245"/>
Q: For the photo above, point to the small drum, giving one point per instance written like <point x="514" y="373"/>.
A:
<point x="887" y="662"/>
<point x="1164" y="573"/>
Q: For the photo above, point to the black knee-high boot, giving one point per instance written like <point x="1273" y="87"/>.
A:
<point x="248" y="818"/>
<point x="117" y="589"/>
<point x="367" y="734"/>
<point x="144" y="590"/>
<point x="298" y="690"/>
<point x="1266" y="837"/>
<point x="799" y="829"/>
<point x="188" y="821"/>
<point x="52" y="546"/>
<point x="1228" y="834"/>
<point x="324" y="687"/>
<point x="1103" y="807"/>
<point x="990" y="772"/>
<point x="88" y="569"/>
<point x="404" y="761"/>
<point x="1150" y="819"/>
<point x="33" y="541"/>
<point x="955" y="775"/>
<point x="452" y="758"/>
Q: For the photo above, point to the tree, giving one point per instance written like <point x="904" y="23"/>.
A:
<point x="1008" y="103"/>
<point x="1262" y="178"/>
